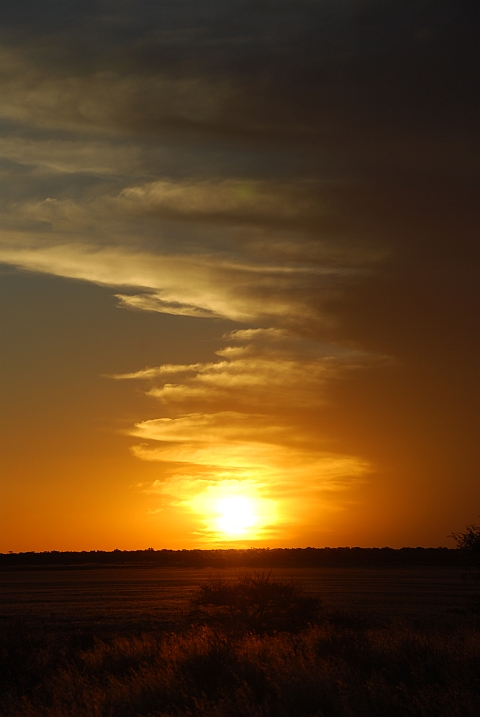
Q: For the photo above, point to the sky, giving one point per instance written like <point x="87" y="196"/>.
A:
<point x="239" y="273"/>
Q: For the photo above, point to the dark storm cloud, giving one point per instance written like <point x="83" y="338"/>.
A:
<point x="298" y="70"/>
<point x="368" y="105"/>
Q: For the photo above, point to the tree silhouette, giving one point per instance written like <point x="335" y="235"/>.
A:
<point x="469" y="540"/>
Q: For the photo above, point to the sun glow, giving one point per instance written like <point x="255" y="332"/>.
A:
<point x="237" y="515"/>
<point x="233" y="509"/>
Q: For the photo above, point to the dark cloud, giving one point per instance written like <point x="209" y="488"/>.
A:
<point x="309" y="69"/>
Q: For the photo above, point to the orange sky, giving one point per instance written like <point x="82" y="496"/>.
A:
<point x="238" y="275"/>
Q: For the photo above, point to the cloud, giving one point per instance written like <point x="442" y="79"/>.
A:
<point x="206" y="457"/>
<point x="227" y="200"/>
<point x="250" y="431"/>
<point x="246" y="446"/>
<point x="257" y="375"/>
<point x="270" y="334"/>
<point x="304" y="166"/>
<point x="211" y="283"/>
<point x="103" y="99"/>
<point x="189" y="284"/>
<point x="339" y="75"/>
<point x="69" y="155"/>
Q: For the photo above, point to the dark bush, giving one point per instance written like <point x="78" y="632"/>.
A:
<point x="469" y="541"/>
<point x="255" y="602"/>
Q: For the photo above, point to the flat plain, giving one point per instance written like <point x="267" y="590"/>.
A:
<point x="118" y="642"/>
<point x="146" y="598"/>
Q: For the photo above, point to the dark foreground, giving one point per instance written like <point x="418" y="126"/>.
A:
<point x="119" y="643"/>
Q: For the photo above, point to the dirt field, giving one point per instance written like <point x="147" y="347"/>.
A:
<point x="117" y="642"/>
<point x="159" y="597"/>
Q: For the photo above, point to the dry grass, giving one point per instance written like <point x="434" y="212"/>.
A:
<point x="97" y="646"/>
<point x="326" y="671"/>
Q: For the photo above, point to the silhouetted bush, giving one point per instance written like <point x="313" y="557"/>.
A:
<point x="469" y="541"/>
<point x="255" y="602"/>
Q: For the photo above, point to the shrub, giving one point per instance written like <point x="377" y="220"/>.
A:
<point x="254" y="602"/>
<point x="470" y="542"/>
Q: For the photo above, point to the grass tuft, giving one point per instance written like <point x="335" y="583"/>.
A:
<point x="325" y="671"/>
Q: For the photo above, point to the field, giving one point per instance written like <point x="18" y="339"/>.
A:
<point x="118" y="642"/>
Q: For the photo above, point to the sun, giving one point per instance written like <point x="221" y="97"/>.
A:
<point x="234" y="510"/>
<point x="236" y="515"/>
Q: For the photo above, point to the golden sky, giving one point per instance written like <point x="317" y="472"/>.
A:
<point x="238" y="274"/>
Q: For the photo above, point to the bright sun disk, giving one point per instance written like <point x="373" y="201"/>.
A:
<point x="236" y="515"/>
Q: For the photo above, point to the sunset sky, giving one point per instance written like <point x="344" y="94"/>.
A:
<point x="239" y="273"/>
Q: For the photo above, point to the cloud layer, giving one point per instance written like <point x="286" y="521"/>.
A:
<point x="278" y="153"/>
<point x="252" y="431"/>
<point x="305" y="170"/>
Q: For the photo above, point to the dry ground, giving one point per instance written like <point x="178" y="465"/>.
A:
<point x="118" y="643"/>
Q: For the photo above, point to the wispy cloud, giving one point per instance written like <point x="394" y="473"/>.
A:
<point x="250" y="429"/>
<point x="209" y="283"/>
<point x="104" y="99"/>
<point x="257" y="374"/>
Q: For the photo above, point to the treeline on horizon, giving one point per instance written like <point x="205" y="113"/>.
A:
<point x="238" y="558"/>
